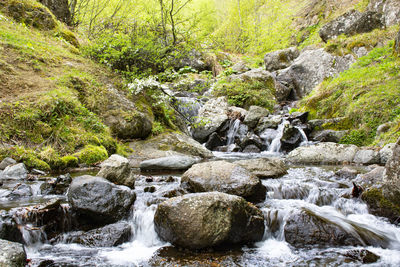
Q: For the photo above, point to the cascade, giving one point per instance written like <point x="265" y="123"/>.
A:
<point x="233" y="129"/>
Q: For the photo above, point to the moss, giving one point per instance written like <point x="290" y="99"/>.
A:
<point x="92" y="154"/>
<point x="69" y="36"/>
<point x="69" y="162"/>
<point x="380" y="205"/>
<point x="27" y="156"/>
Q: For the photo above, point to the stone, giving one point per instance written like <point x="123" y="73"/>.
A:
<point x="310" y="69"/>
<point x="137" y="126"/>
<point x="213" y="115"/>
<point x="397" y="45"/>
<point x="347" y="173"/>
<point x="108" y="236"/>
<point x="386" y="152"/>
<point x="264" y="167"/>
<point x="116" y="169"/>
<point x="323" y="153"/>
<point x="99" y="201"/>
<point x="383" y="128"/>
<point x="60" y="9"/>
<point x="15" y="172"/>
<point x="240" y="67"/>
<point x="270" y="122"/>
<point x="56" y="186"/>
<point x="328" y="136"/>
<point x="214" y="140"/>
<point x="351" y="23"/>
<point x="362" y="255"/>
<point x="7" y="162"/>
<point x="20" y="191"/>
<point x="205" y="220"/>
<point x="280" y="59"/>
<point x="259" y="74"/>
<point x="291" y="137"/>
<point x="9" y="228"/>
<point x="252" y="139"/>
<point x="12" y="254"/>
<point x="389" y="8"/>
<point x="254" y="114"/>
<point x="367" y="157"/>
<point x="169" y="163"/>
<point x="223" y="177"/>
<point x="251" y="149"/>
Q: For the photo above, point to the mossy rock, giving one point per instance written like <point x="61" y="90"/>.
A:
<point x="69" y="36"/>
<point x="379" y="205"/>
<point x="91" y="154"/>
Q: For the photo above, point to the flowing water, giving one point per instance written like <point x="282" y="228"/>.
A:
<point x="313" y="189"/>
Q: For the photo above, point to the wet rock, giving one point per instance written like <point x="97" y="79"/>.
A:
<point x="389" y="8"/>
<point x="149" y="189"/>
<point x="56" y="186"/>
<point x="21" y="191"/>
<point x="328" y="136"/>
<point x="254" y="114"/>
<point x="108" y="236"/>
<point x="371" y="178"/>
<point x="305" y="228"/>
<point x="213" y="115"/>
<point x="214" y="140"/>
<point x="367" y="156"/>
<point x="252" y="139"/>
<point x="12" y="254"/>
<point x="96" y="200"/>
<point x="251" y="149"/>
<point x="280" y="59"/>
<point x="168" y="144"/>
<point x="380" y="205"/>
<point x="323" y="153"/>
<point x="174" y="193"/>
<point x="356" y="191"/>
<point x="264" y="167"/>
<point x="291" y="137"/>
<point x="211" y="220"/>
<point x="271" y="121"/>
<point x="240" y="67"/>
<point x="7" y="162"/>
<point x="116" y="169"/>
<point x="386" y="153"/>
<point x="9" y="229"/>
<point x="223" y="177"/>
<point x="347" y="173"/>
<point x="351" y="23"/>
<point x="362" y="255"/>
<point x="15" y="172"/>
<point x="310" y="69"/>
<point x="236" y="113"/>
<point x="169" y="163"/>
<point x="301" y="116"/>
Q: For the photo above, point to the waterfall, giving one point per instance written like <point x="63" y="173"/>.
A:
<point x="233" y="129"/>
<point x="304" y="139"/>
<point x="275" y="146"/>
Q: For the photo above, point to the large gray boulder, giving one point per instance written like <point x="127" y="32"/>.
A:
<point x="259" y="74"/>
<point x="108" y="236"/>
<point x="137" y="126"/>
<point x="254" y="114"/>
<point x="212" y="116"/>
<point x="323" y="153"/>
<point x="310" y="69"/>
<point x="15" y="172"/>
<point x="99" y="201"/>
<point x="280" y="59"/>
<point x="169" y="163"/>
<point x="203" y="220"/>
<point x="367" y="156"/>
<point x="223" y="177"/>
<point x="386" y="152"/>
<point x="116" y="169"/>
<point x="392" y="175"/>
<point x="9" y="228"/>
<point x="7" y="162"/>
<point x="389" y="8"/>
<point x="12" y="254"/>
<point x="264" y="167"/>
<point x="351" y="23"/>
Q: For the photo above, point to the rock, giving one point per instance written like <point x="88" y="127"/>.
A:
<point x="328" y="136"/>
<point x="306" y="228"/>
<point x="310" y="69"/>
<point x="383" y="128"/>
<point x="214" y="140"/>
<point x="254" y="114"/>
<point x="251" y="149"/>
<point x="7" y="162"/>
<point x="389" y="8"/>
<point x="193" y="59"/>
<point x="347" y="173"/>
<point x="367" y="157"/>
<point x="116" y="169"/>
<point x="213" y="114"/>
<point x="301" y="116"/>
<point x="323" y="153"/>
<point x="98" y="201"/>
<point x="236" y="113"/>
<point x="396" y="48"/>
<point x="15" y="172"/>
<point x="108" y="236"/>
<point x="57" y="186"/>
<point x="259" y="74"/>
<point x="210" y="220"/>
<point x="223" y="177"/>
<point x="392" y="178"/>
<point x="252" y="139"/>
<point x="271" y="121"/>
<point x="168" y="144"/>
<point x="21" y="191"/>
<point x="9" y="229"/>
<point x="264" y="167"/>
<point x="283" y="92"/>
<point x="169" y="163"/>
<point x="351" y="23"/>
<point x="380" y="203"/>
<point x="280" y="59"/>
<point x="240" y="67"/>
<point x="362" y="255"/>
<point x="360" y="51"/>
<point x="371" y="178"/>
<point x="60" y="9"/>
<point x="12" y="254"/>
<point x="128" y="125"/>
<point x="386" y="152"/>
<point x="291" y="137"/>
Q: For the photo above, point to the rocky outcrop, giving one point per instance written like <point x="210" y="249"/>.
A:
<point x="60" y="9"/>
<point x="169" y="163"/>
<point x="265" y="167"/>
<point x="7" y="162"/>
<point x="116" y="169"/>
<point x="15" y="172"/>
<point x="280" y="59"/>
<point x="12" y="254"/>
<point x="223" y="177"/>
<point x="323" y="153"/>
<point x="392" y="175"/>
<point x="96" y="200"/>
<point x="108" y="236"/>
<point x="254" y="114"/>
<point x="389" y="8"/>
<point x="198" y="221"/>
<point x="310" y="69"/>
<point x="351" y="23"/>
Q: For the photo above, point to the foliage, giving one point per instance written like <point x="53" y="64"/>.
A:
<point x="91" y="154"/>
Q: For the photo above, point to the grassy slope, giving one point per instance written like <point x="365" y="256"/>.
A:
<point x="49" y="99"/>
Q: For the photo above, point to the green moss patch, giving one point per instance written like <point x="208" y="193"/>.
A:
<point x="380" y="205"/>
<point x="91" y="154"/>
